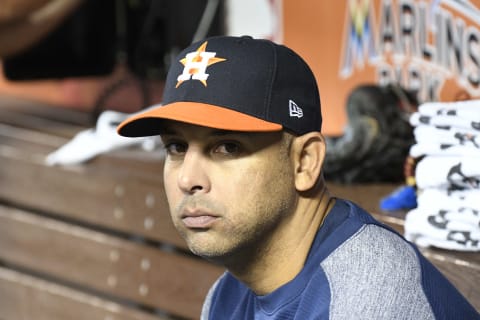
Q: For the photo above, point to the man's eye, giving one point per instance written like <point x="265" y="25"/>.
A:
<point x="175" y="148"/>
<point x="227" y="148"/>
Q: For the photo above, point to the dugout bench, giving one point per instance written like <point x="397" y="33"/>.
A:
<point x="95" y="241"/>
<point x="91" y="241"/>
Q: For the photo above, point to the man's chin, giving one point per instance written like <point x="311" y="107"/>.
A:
<point x="208" y="251"/>
<point x="215" y="258"/>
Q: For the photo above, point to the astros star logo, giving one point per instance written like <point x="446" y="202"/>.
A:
<point x="196" y="63"/>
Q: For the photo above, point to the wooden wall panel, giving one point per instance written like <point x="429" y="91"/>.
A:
<point x="24" y="297"/>
<point x="135" y="271"/>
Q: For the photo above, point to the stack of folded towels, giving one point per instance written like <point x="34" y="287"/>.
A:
<point x="447" y="176"/>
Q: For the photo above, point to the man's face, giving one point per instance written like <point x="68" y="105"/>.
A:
<point x="228" y="191"/>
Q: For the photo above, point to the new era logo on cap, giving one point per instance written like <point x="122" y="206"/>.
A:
<point x="295" y="110"/>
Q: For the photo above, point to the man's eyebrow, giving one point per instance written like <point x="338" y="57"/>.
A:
<point x="226" y="132"/>
<point x="214" y="132"/>
<point x="231" y="133"/>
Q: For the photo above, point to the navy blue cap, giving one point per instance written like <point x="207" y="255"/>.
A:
<point x="235" y="83"/>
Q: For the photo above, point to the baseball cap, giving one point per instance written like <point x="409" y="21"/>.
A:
<point x="236" y="84"/>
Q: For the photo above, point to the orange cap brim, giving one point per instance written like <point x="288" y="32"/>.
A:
<point x="147" y="123"/>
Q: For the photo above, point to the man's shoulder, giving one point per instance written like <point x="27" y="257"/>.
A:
<point x="378" y="272"/>
<point x="375" y="247"/>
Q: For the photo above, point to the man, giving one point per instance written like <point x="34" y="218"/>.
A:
<point x="243" y="176"/>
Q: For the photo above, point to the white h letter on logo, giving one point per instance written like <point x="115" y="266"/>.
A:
<point x="295" y="111"/>
<point x="194" y="68"/>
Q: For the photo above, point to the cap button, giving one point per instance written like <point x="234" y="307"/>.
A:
<point x="244" y="38"/>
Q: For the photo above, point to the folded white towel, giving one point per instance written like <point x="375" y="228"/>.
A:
<point x="438" y="199"/>
<point x="426" y="229"/>
<point x="448" y="210"/>
<point x="457" y="241"/>
<point x="447" y="172"/>
<point x="443" y="121"/>
<point x="430" y="134"/>
<point x="469" y="109"/>
<point x="460" y="219"/>
<point x="435" y="149"/>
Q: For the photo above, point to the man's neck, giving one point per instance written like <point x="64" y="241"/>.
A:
<point x="282" y="256"/>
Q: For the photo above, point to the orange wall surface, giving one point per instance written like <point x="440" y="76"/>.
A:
<point x="432" y="47"/>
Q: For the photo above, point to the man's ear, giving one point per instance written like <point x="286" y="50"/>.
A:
<point x="308" y="152"/>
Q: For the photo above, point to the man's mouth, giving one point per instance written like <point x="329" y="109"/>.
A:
<point x="199" y="222"/>
<point x="198" y="219"/>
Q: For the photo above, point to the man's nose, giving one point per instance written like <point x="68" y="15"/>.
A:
<point x="193" y="176"/>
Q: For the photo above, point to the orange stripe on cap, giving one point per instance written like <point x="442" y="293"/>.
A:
<point x="201" y="114"/>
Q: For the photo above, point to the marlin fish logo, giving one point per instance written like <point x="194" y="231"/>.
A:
<point x="359" y="36"/>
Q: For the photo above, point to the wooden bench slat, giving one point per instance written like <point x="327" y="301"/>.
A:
<point x="23" y="297"/>
<point x="30" y="108"/>
<point x="9" y="132"/>
<point x="38" y="124"/>
<point x="30" y="141"/>
<point x="114" y="199"/>
<point x="31" y="122"/>
<point x="134" y="271"/>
